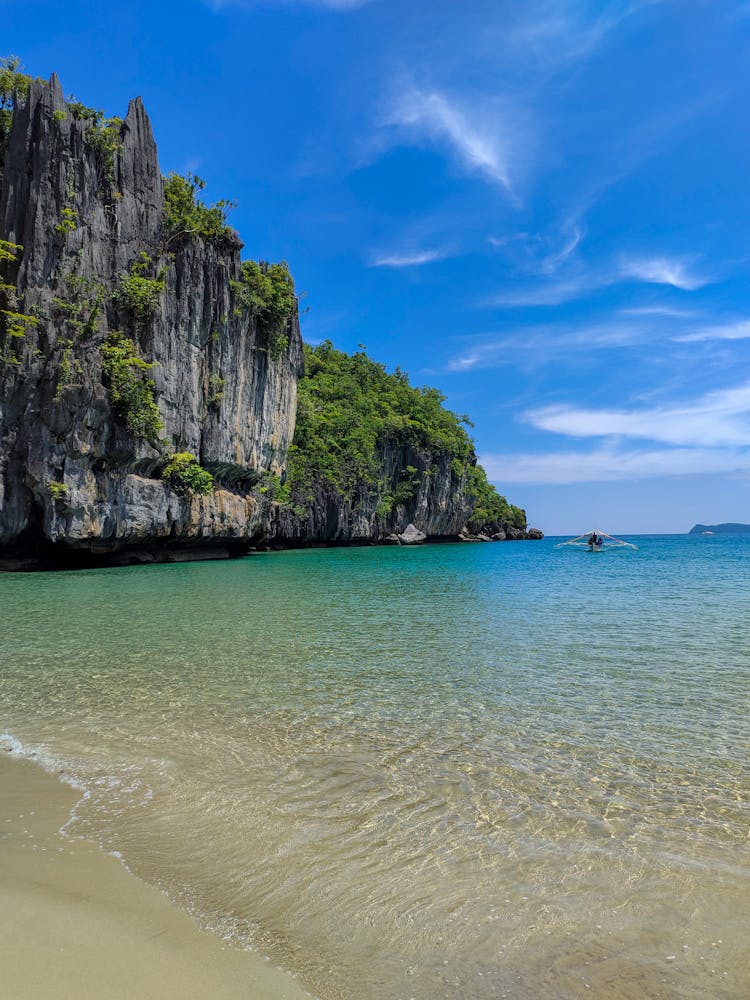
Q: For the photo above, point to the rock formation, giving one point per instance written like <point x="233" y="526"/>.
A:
<point x="129" y="340"/>
<point x="438" y="508"/>
<point x="77" y="219"/>
<point x="373" y="454"/>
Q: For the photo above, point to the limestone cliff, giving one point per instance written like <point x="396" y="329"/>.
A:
<point x="135" y="343"/>
<point x="88" y="261"/>
<point x="373" y="454"/>
<point x="439" y="505"/>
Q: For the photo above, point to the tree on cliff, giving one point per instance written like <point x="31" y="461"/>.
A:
<point x="351" y="410"/>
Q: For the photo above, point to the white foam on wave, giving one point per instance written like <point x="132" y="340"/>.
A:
<point x="64" y="771"/>
<point x="42" y="756"/>
<point x="10" y="744"/>
<point x="119" y="856"/>
<point x="52" y="765"/>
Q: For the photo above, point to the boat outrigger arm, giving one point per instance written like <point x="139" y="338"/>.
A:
<point x="596" y="541"/>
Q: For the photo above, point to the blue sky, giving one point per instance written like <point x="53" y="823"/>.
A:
<point x="540" y="207"/>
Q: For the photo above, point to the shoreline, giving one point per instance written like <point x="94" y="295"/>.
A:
<point x="65" y="559"/>
<point x="76" y="924"/>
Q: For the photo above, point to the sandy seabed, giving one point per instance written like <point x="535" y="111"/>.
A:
<point x="75" y="925"/>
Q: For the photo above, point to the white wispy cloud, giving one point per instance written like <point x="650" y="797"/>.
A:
<point x="497" y="129"/>
<point x="546" y="343"/>
<point x="641" y="143"/>
<point x="487" y="357"/>
<point x="609" y="463"/>
<point x="342" y="5"/>
<point x="409" y="258"/>
<point x="556" y="33"/>
<point x="553" y="261"/>
<point x="540" y="253"/>
<point x="483" y="144"/>
<point x="548" y="293"/>
<point x="660" y="310"/>
<point x="582" y="281"/>
<point x="739" y="330"/>
<point x="718" y="419"/>
<point x="673" y="271"/>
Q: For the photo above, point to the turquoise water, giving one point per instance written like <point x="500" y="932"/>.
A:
<point x="449" y="771"/>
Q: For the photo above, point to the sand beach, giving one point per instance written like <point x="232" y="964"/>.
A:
<point x="75" y="925"/>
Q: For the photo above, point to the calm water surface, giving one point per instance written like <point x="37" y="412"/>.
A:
<point x="457" y="771"/>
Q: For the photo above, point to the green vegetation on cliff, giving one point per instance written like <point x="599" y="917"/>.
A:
<point x="14" y="86"/>
<point x="104" y="135"/>
<point x="13" y="324"/>
<point x="183" y="475"/>
<point x="186" y="215"/>
<point x="132" y="391"/>
<point x="267" y="290"/>
<point x="83" y="323"/>
<point x="138" y="294"/>
<point x="490" y="507"/>
<point x="350" y="408"/>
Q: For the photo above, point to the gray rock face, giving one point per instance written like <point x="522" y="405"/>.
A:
<point x="412" y="536"/>
<point x="535" y="533"/>
<point x="467" y="536"/>
<point x="438" y="507"/>
<point x="79" y="209"/>
<point x="82" y="223"/>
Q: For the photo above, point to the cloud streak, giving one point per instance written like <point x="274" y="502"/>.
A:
<point x="709" y="435"/>
<point x="338" y="5"/>
<point x="659" y="310"/>
<point x="409" y="259"/>
<point x="608" y="464"/>
<point x="718" y="419"/>
<point x="548" y="343"/>
<point x="674" y="272"/>
<point x="550" y="293"/>
<point x="739" y="330"/>
<point x="482" y="147"/>
<point x="663" y="271"/>
<point x="554" y="260"/>
<point x="557" y="34"/>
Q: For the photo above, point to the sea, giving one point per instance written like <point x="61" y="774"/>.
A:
<point x="453" y="770"/>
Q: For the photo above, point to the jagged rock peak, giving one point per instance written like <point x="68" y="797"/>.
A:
<point x="95" y="265"/>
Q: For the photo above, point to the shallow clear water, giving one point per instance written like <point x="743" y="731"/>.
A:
<point x="449" y="771"/>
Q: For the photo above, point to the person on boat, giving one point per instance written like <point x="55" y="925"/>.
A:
<point x="594" y="540"/>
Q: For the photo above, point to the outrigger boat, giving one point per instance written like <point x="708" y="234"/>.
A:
<point x="596" y="541"/>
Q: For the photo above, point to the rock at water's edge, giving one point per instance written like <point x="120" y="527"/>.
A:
<point x="412" y="536"/>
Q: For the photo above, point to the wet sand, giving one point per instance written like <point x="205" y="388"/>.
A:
<point x="75" y="924"/>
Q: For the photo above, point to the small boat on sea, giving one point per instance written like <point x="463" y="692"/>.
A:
<point x="596" y="541"/>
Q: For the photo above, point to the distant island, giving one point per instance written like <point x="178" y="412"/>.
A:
<point x="720" y="529"/>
